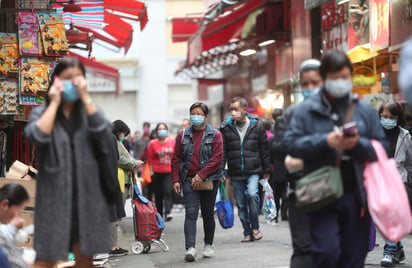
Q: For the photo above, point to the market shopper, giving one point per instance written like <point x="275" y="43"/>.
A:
<point x="13" y="199"/>
<point x="246" y="154"/>
<point x="400" y="148"/>
<point x="196" y="159"/>
<point x="314" y="135"/>
<point x="310" y="82"/>
<point x="126" y="165"/>
<point x="159" y="157"/>
<point x="71" y="135"/>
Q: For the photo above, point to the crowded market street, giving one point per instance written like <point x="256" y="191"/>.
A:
<point x="274" y="250"/>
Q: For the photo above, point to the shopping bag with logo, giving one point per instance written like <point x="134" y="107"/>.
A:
<point x="224" y="209"/>
<point x="387" y="198"/>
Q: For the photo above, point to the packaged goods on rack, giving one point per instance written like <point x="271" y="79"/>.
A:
<point x="53" y="34"/>
<point x="28" y="33"/>
<point x="8" y="96"/>
<point x="9" y="54"/>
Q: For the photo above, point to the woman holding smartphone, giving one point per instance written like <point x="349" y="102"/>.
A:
<point x="72" y="212"/>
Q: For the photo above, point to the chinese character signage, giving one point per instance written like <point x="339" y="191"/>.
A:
<point x="379" y="30"/>
<point x="334" y="26"/>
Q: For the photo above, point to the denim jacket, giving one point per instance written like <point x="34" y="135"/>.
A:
<point x="205" y="152"/>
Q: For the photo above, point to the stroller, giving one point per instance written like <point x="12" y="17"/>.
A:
<point x="148" y="224"/>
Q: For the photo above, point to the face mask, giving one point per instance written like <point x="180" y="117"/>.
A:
<point x="121" y="138"/>
<point x="197" y="120"/>
<point x="307" y="93"/>
<point x="338" y="88"/>
<point x="388" y="123"/>
<point x="70" y="93"/>
<point x="162" y="133"/>
<point x="237" y="115"/>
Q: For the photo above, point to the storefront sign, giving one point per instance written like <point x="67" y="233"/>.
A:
<point x="334" y="26"/>
<point x="401" y="22"/>
<point x="100" y="84"/>
<point x="379" y="23"/>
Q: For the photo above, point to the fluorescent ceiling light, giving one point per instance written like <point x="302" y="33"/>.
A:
<point x="340" y="2"/>
<point x="267" y="42"/>
<point x="247" y="52"/>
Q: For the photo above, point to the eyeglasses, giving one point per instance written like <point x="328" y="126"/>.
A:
<point x="387" y="116"/>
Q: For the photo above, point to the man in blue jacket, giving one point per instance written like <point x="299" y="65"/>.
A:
<point x="245" y="149"/>
<point x="315" y="135"/>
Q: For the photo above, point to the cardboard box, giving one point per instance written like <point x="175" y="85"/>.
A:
<point x="29" y="185"/>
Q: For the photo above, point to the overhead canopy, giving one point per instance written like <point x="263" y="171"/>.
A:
<point x="184" y="28"/>
<point x="104" y="19"/>
<point x="361" y="54"/>
<point x="100" y="74"/>
<point x="223" y="29"/>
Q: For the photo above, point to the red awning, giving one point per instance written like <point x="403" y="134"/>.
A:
<point x="184" y="28"/>
<point x="224" y="28"/>
<point x="101" y="69"/>
<point x="128" y="9"/>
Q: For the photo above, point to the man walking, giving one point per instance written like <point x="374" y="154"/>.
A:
<point x="245" y="149"/>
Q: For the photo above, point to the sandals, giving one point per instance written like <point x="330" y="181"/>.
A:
<point x="257" y="235"/>
<point x="246" y="239"/>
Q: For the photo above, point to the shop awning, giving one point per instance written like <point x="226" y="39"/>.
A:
<point x="310" y="4"/>
<point x="223" y="29"/>
<point x="184" y="28"/>
<point x="361" y="54"/>
<point x="100" y="70"/>
<point x="105" y="19"/>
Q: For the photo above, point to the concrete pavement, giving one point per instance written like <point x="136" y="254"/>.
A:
<point x="273" y="250"/>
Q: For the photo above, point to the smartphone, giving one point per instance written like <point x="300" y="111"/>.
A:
<point x="349" y="129"/>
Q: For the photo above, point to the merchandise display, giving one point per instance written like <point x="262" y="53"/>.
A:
<point x="8" y="96"/>
<point x="53" y="34"/>
<point x="28" y="33"/>
<point x="9" y="54"/>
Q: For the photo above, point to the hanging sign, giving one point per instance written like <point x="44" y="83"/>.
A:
<point x="379" y="30"/>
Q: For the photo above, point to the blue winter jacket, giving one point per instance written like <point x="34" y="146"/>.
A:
<point x="306" y="137"/>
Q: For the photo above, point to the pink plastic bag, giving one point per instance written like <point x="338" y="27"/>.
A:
<point x="387" y="199"/>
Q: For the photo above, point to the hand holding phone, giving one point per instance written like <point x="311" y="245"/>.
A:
<point x="349" y="129"/>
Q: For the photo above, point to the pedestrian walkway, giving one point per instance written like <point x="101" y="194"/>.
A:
<point x="273" y="250"/>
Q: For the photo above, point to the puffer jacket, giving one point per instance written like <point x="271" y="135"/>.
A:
<point x="249" y="158"/>
<point x="403" y="154"/>
<point x="306" y="137"/>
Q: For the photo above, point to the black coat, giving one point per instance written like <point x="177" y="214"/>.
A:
<point x="252" y="157"/>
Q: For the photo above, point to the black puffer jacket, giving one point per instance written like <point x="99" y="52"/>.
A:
<point x="252" y="157"/>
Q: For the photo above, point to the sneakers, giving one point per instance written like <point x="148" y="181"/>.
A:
<point x="100" y="256"/>
<point x="208" y="251"/>
<point x="387" y="261"/>
<point x="191" y="254"/>
<point x="169" y="217"/>
<point x="118" y="252"/>
<point x="399" y="256"/>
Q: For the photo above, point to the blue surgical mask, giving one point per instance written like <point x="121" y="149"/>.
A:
<point x="70" y="93"/>
<point x="307" y="93"/>
<point x="162" y="133"/>
<point x="388" y="123"/>
<point x="121" y="138"/>
<point x="197" y="120"/>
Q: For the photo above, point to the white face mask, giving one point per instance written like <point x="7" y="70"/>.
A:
<point x="338" y="88"/>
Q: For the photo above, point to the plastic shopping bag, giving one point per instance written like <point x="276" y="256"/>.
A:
<point x="146" y="174"/>
<point x="224" y="209"/>
<point x="387" y="199"/>
<point x="268" y="201"/>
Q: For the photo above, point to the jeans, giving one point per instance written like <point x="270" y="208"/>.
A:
<point x="206" y="201"/>
<point x="247" y="199"/>
<point x="300" y="231"/>
<point x="334" y="230"/>
<point x="162" y="187"/>
<point x="392" y="248"/>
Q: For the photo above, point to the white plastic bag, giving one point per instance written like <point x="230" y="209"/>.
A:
<point x="268" y="201"/>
